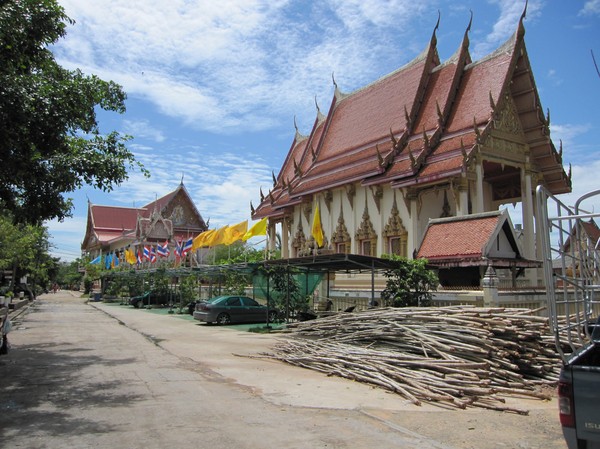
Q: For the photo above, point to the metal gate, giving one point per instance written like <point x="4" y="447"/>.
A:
<point x="571" y="260"/>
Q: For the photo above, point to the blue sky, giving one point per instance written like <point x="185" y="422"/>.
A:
<point x="214" y="87"/>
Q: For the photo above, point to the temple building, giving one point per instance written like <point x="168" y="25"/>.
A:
<point x="171" y="218"/>
<point x="433" y="139"/>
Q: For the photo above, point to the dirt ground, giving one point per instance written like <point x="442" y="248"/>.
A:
<point x="285" y="405"/>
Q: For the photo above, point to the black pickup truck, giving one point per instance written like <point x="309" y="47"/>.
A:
<point x="579" y="397"/>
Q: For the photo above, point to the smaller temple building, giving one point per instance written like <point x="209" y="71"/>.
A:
<point x="168" y="221"/>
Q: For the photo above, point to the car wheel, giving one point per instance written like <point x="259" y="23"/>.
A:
<point x="223" y="318"/>
<point x="136" y="304"/>
<point x="272" y="316"/>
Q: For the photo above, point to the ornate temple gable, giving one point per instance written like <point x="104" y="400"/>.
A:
<point x="536" y="125"/>
<point x="506" y="119"/>
<point x="155" y="228"/>
<point x="182" y="212"/>
<point x="505" y="143"/>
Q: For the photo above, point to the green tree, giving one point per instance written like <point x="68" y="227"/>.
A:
<point x="409" y="284"/>
<point x="284" y="289"/>
<point x="69" y="275"/>
<point x="50" y="140"/>
<point x="188" y="290"/>
<point x="24" y="250"/>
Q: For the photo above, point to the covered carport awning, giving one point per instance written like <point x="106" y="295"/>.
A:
<point x="337" y="262"/>
<point x="334" y="262"/>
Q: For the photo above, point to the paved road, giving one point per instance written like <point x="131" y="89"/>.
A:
<point x="104" y="376"/>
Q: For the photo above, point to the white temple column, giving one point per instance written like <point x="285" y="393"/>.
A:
<point x="478" y="206"/>
<point x="285" y="239"/>
<point x="271" y="237"/>
<point x="413" y="231"/>
<point x="527" y="212"/>
<point x="462" y="208"/>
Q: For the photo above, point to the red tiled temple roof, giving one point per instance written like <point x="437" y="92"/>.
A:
<point x="109" y="218"/>
<point x="375" y="135"/>
<point x="470" y="241"/>
<point x="457" y="239"/>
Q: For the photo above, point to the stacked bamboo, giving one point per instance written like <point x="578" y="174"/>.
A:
<point x="461" y="356"/>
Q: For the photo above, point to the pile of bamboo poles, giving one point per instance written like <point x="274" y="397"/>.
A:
<point x="461" y="356"/>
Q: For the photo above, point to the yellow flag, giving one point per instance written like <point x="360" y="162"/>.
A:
<point x="317" y="231"/>
<point x="199" y="240"/>
<point x="259" y="228"/>
<point x="235" y="232"/>
<point x="130" y="256"/>
<point x="216" y="238"/>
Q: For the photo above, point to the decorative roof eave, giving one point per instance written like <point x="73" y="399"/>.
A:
<point x="338" y="183"/>
<point x="461" y="261"/>
<point x="420" y="181"/>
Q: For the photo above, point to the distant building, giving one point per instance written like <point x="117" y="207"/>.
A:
<point x="112" y="229"/>
<point x="431" y="140"/>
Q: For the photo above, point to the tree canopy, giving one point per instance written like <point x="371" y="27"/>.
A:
<point x="50" y="140"/>
<point x="409" y="284"/>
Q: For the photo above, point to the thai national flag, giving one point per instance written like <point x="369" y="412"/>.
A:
<point x="152" y="255"/>
<point x="139" y="257"/>
<point x="163" y="250"/>
<point x="146" y="253"/>
<point x="177" y="249"/>
<point x="187" y="246"/>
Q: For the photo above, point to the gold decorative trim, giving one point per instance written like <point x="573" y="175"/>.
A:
<point x="394" y="226"/>
<point x="350" y="194"/>
<point x="328" y="198"/>
<point x="507" y="119"/>
<point x="307" y="209"/>
<point x="377" y="192"/>
<point x="341" y="235"/>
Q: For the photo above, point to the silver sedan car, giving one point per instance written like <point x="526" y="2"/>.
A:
<point x="233" y="309"/>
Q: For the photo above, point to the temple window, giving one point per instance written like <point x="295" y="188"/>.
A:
<point x="367" y="247"/>
<point x="398" y="244"/>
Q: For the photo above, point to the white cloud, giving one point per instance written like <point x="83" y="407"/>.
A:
<point x="590" y="8"/>
<point x="143" y="129"/>
<point x="570" y="134"/>
<point x="66" y="237"/>
<point x="506" y="25"/>
<point x="221" y="185"/>
<point x="237" y="64"/>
